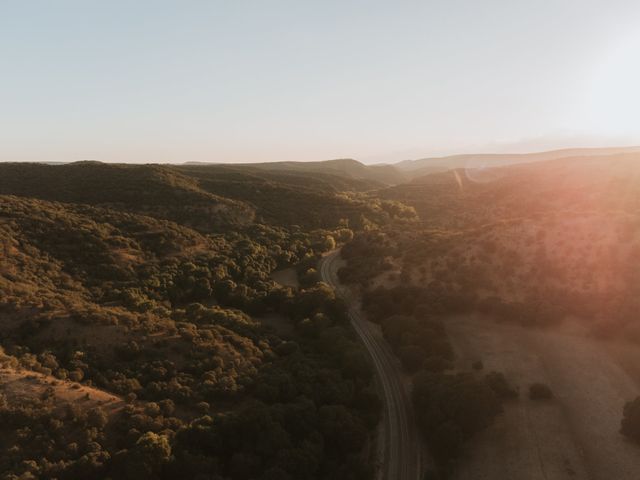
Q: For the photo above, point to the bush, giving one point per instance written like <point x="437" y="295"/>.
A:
<point x="540" y="391"/>
<point x="498" y="383"/>
<point x="630" y="425"/>
<point x="412" y="357"/>
<point x="450" y="409"/>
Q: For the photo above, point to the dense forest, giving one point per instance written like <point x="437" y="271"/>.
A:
<point x="143" y="336"/>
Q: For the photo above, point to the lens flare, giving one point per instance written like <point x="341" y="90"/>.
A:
<point x="482" y="173"/>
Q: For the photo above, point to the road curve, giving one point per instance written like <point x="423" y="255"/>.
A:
<point x="401" y="449"/>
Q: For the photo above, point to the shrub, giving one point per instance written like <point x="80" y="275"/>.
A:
<point x="540" y="391"/>
<point x="412" y="357"/>
<point x="630" y="425"/>
<point x="450" y="409"/>
<point x="477" y="365"/>
<point x="498" y="383"/>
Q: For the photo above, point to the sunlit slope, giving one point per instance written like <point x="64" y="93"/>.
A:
<point x="534" y="241"/>
<point x="105" y="280"/>
<point x="210" y="198"/>
<point x="55" y="254"/>
<point x="154" y="190"/>
<point x="596" y="184"/>
<point x="424" y="166"/>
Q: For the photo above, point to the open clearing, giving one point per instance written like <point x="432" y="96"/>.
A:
<point x="20" y="385"/>
<point x="574" y="436"/>
<point x="287" y="277"/>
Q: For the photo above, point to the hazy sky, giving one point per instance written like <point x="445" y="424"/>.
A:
<point x="239" y="80"/>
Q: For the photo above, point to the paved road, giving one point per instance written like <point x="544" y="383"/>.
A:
<point x="401" y="445"/>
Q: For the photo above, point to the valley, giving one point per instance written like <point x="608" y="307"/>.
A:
<point x="326" y="240"/>
<point x="329" y="320"/>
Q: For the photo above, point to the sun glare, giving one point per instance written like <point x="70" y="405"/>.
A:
<point x="614" y="93"/>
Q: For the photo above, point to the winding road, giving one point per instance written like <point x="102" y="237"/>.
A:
<point x="399" y="446"/>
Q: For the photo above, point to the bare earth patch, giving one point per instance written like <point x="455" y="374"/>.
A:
<point x="287" y="277"/>
<point x="574" y="436"/>
<point x="22" y="385"/>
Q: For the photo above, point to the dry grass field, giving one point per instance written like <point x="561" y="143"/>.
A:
<point x="573" y="436"/>
<point x="19" y="385"/>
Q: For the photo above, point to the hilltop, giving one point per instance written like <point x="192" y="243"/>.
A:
<point x="153" y="190"/>
<point x="209" y="198"/>
<point x="425" y="166"/>
<point x="345" y="168"/>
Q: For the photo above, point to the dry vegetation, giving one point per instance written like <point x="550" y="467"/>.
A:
<point x="529" y="246"/>
<point x="131" y="301"/>
<point x="182" y="331"/>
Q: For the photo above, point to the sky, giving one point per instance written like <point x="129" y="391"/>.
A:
<point x="270" y="80"/>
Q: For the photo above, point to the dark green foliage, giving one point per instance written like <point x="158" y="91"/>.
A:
<point x="412" y="357"/>
<point x="366" y="257"/>
<point x="147" y="458"/>
<point x="149" y="283"/>
<point x="451" y="409"/>
<point x="156" y="190"/>
<point x="209" y="198"/>
<point x="418" y="343"/>
<point x="540" y="391"/>
<point x="630" y="424"/>
<point x="498" y="383"/>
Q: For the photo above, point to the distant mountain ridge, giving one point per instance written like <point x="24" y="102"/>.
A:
<point x="424" y="166"/>
<point x="407" y="170"/>
<point x="343" y="167"/>
<point x="337" y="174"/>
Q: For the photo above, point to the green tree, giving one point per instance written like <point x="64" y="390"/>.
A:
<point x="146" y="459"/>
<point x="630" y="425"/>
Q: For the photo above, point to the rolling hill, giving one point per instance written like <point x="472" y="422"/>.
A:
<point x="424" y="166"/>
<point x="539" y="240"/>
<point x="210" y="198"/>
<point x="133" y="344"/>
<point x="342" y="168"/>
<point x="153" y="190"/>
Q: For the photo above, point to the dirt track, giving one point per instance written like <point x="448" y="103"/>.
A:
<point x="575" y="436"/>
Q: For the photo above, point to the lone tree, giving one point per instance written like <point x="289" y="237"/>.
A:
<point x="630" y="425"/>
<point x="146" y="459"/>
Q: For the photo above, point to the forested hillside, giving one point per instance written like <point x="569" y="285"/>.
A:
<point x="210" y="198"/>
<point x="536" y="241"/>
<point x="142" y="335"/>
<point x="424" y="166"/>
<point x="498" y="257"/>
<point x="313" y="199"/>
<point x="344" y="168"/>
